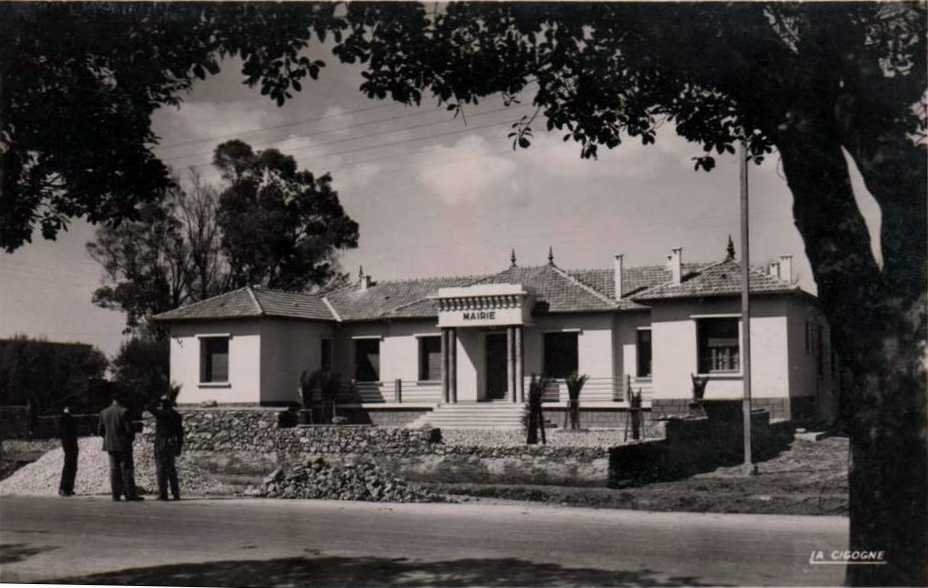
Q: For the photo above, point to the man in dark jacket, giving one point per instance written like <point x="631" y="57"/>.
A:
<point x="116" y="429"/>
<point x="67" y="432"/>
<point x="169" y="441"/>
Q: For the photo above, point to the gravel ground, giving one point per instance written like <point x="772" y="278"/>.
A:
<point x="41" y="477"/>
<point x="598" y="438"/>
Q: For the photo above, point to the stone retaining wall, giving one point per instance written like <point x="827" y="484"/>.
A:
<point x="415" y="454"/>
<point x="256" y="429"/>
<point x="419" y="454"/>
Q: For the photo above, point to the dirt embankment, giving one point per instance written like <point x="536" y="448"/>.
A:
<point x="809" y="478"/>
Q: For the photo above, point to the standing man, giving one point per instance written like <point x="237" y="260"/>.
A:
<point x="169" y="440"/>
<point x="67" y="432"/>
<point x="117" y="432"/>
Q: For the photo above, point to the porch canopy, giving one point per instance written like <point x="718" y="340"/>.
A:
<point x="506" y="306"/>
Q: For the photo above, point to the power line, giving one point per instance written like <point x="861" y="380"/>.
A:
<point x="263" y="129"/>
<point x="391" y="144"/>
<point x="369" y="135"/>
<point x="290" y="124"/>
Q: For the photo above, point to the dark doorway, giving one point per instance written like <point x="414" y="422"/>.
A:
<point x="497" y="374"/>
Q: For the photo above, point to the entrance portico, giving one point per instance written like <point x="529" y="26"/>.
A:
<point x="493" y="317"/>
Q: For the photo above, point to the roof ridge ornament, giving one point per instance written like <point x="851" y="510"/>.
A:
<point x="550" y="255"/>
<point x="512" y="258"/>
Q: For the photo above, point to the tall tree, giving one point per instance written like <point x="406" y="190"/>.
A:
<point x="170" y="255"/>
<point x="145" y="263"/>
<point x="817" y="82"/>
<point x="281" y="227"/>
<point x="80" y="81"/>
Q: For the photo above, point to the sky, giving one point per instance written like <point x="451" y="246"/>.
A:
<point x="435" y="196"/>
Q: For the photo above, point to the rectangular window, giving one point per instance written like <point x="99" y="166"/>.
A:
<point x="718" y="345"/>
<point x="560" y="354"/>
<point x="644" y="353"/>
<point x="214" y="359"/>
<point x="367" y="360"/>
<point x="326" y="355"/>
<point x="430" y="358"/>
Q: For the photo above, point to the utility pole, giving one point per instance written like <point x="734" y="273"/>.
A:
<point x="749" y="466"/>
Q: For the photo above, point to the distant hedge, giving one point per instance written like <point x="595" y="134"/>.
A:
<point x="49" y="372"/>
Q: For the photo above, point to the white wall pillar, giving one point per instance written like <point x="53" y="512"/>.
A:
<point x="520" y="378"/>
<point x="511" y="362"/>
<point x="444" y="366"/>
<point x="453" y="365"/>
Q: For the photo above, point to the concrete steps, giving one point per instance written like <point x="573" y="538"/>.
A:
<point x="478" y="415"/>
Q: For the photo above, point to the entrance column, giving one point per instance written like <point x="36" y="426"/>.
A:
<point x="511" y="362"/>
<point x="453" y="365"/>
<point x="520" y="377"/>
<point x="444" y="365"/>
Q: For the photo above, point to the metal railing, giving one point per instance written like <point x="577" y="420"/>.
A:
<point x="603" y="389"/>
<point x="394" y="391"/>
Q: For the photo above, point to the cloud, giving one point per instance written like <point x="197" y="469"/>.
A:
<point x="630" y="160"/>
<point x="357" y="177"/>
<point x="466" y="171"/>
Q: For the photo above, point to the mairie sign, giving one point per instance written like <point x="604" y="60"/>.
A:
<point x="483" y="305"/>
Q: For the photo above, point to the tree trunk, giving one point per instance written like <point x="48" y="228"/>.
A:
<point x="878" y="329"/>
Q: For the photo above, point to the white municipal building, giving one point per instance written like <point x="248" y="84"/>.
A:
<point x="417" y="350"/>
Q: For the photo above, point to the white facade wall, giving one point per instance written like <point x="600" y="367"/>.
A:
<point x="625" y="340"/>
<point x="674" y="348"/>
<point x="471" y="364"/>
<point x="288" y="347"/>
<point x="267" y="356"/>
<point x="399" y="358"/>
<point x="244" y="385"/>
<point x="804" y="376"/>
<point x="595" y="355"/>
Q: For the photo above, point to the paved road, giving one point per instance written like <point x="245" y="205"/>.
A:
<point x="279" y="543"/>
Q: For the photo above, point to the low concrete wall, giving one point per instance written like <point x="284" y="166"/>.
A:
<point x="691" y="445"/>
<point x="382" y="416"/>
<point x="795" y="408"/>
<point x="598" y="417"/>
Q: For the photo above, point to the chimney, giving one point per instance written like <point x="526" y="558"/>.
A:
<point x="364" y="281"/>
<point x="773" y="269"/>
<point x="619" y="270"/>
<point x="786" y="268"/>
<point x="676" y="265"/>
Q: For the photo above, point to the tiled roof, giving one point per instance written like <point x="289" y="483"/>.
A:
<point x="555" y="290"/>
<point x="252" y="302"/>
<point x="292" y="304"/>
<point x="720" y="279"/>
<point x="554" y="287"/>
<point x="634" y="279"/>
<point x="390" y="299"/>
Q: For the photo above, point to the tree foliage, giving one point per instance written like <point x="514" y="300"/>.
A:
<point x="50" y="373"/>
<point x="168" y="256"/>
<point x="80" y="81"/>
<point x="142" y="369"/>
<point x="281" y="227"/>
<point x="269" y="224"/>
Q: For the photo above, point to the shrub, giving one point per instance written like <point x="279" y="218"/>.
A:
<point x="48" y="373"/>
